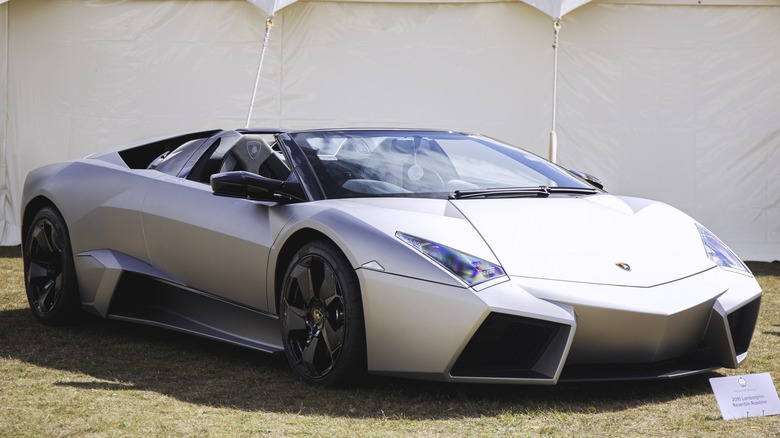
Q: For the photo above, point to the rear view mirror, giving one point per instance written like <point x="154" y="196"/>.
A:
<point x="590" y="179"/>
<point x="247" y="185"/>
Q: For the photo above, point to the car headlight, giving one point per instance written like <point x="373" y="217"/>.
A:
<point x="472" y="270"/>
<point x="719" y="253"/>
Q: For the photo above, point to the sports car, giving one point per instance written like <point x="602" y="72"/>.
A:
<point x="415" y="253"/>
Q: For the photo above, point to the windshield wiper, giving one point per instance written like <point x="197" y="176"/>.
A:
<point x="504" y="192"/>
<point x="573" y="190"/>
<point x="521" y="192"/>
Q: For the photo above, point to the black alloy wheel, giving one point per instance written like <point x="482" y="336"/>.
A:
<point x="49" y="274"/>
<point x="322" y="317"/>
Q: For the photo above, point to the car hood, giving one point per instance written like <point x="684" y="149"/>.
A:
<point x="587" y="239"/>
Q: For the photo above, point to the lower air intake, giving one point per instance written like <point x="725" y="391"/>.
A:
<point x="742" y="323"/>
<point x="506" y="346"/>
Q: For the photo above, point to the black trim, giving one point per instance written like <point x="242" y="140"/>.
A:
<point x="140" y="157"/>
<point x="742" y="323"/>
<point x="653" y="371"/>
<point x="273" y="131"/>
<point x="142" y="299"/>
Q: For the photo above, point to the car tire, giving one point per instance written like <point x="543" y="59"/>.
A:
<point x="49" y="273"/>
<point x="321" y="315"/>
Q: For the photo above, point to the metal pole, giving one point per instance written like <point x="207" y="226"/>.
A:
<point x="553" y="135"/>
<point x="269" y="24"/>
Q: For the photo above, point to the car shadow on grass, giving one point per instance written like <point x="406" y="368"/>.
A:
<point x="116" y="356"/>
<point x="10" y="252"/>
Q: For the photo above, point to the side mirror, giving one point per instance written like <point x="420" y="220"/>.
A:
<point x="254" y="187"/>
<point x="590" y="179"/>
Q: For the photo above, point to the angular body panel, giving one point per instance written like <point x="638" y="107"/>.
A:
<point x="582" y="239"/>
<point x="184" y="217"/>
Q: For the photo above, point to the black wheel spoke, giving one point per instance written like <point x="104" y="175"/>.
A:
<point x="309" y="355"/>
<point x="295" y="320"/>
<point x="302" y="276"/>
<point x="44" y="239"/>
<point x="317" y="275"/>
<point x="329" y="289"/>
<point x="37" y="271"/>
<point x="44" y="302"/>
<point x="333" y="338"/>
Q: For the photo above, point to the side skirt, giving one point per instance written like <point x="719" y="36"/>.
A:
<point x="127" y="289"/>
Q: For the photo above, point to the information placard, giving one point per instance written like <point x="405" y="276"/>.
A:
<point x="751" y="395"/>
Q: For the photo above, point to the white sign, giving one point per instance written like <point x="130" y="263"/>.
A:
<point x="751" y="395"/>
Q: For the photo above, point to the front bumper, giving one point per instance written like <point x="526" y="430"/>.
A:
<point x="536" y="331"/>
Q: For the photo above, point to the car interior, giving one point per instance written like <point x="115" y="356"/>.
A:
<point x="240" y="152"/>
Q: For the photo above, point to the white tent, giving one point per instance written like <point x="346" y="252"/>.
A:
<point x="668" y="99"/>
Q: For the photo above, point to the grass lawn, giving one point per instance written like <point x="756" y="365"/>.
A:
<point x="111" y="378"/>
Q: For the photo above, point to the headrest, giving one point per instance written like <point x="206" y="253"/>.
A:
<point x="254" y="148"/>
<point x="403" y="145"/>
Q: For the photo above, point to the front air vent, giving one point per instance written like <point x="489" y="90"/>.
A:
<point x="506" y="346"/>
<point x="742" y="322"/>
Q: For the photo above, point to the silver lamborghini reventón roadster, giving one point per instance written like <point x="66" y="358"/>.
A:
<point x="426" y="254"/>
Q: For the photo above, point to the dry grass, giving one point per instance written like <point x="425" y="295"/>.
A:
<point x="109" y="378"/>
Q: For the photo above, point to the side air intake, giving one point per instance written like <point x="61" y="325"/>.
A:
<point x="742" y="323"/>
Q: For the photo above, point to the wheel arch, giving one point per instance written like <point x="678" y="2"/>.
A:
<point x="291" y="246"/>
<point x="32" y="207"/>
<point x="358" y="240"/>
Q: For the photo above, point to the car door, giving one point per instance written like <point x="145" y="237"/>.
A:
<point x="213" y="244"/>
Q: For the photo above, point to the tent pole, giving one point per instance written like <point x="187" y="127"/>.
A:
<point x="269" y="24"/>
<point x="553" y="136"/>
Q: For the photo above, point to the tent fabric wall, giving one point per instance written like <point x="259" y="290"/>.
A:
<point x="87" y="75"/>
<point x="673" y="102"/>
<point x="8" y="226"/>
<point x="689" y="115"/>
<point x="472" y="67"/>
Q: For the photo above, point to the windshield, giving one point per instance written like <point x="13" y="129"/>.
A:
<point x="352" y="164"/>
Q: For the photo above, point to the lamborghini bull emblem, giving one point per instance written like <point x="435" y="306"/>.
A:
<point x="253" y="149"/>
